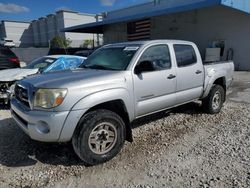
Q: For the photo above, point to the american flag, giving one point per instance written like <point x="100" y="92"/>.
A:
<point x="139" y="30"/>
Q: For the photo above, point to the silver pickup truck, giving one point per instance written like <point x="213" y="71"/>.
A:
<point x="94" y="106"/>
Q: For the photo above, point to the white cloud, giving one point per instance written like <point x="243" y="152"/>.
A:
<point x="12" y="8"/>
<point x="108" y="2"/>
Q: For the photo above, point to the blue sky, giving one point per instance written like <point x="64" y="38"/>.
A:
<point x="28" y="10"/>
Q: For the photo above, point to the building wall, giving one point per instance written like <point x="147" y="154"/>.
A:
<point x="2" y="30"/>
<point x="60" y="23"/>
<point x="51" y="26"/>
<point x="19" y="32"/>
<point x="39" y="33"/>
<point x="72" y="19"/>
<point x="202" y="27"/>
<point x="36" y="32"/>
<point x="115" y="33"/>
<point x="43" y="32"/>
<point x="207" y="25"/>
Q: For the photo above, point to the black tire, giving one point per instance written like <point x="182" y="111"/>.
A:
<point x="208" y="103"/>
<point x="82" y="137"/>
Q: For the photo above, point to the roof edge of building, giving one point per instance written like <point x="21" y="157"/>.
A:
<point x="75" y="12"/>
<point x="18" y="21"/>
<point x="128" y="7"/>
<point x="66" y="10"/>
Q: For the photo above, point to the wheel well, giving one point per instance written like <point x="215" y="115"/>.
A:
<point x="118" y="107"/>
<point x="221" y="81"/>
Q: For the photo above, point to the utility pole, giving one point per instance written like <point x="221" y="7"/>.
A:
<point x="99" y="17"/>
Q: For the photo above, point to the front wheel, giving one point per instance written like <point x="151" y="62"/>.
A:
<point x="213" y="103"/>
<point x="99" y="137"/>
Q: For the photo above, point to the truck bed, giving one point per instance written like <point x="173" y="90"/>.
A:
<point x="225" y="68"/>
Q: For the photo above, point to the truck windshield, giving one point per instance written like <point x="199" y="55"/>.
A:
<point x="111" y="58"/>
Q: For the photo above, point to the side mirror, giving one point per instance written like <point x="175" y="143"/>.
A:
<point x="144" y="66"/>
<point x="137" y="70"/>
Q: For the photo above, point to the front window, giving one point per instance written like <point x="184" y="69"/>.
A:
<point x="41" y="63"/>
<point x="159" y="55"/>
<point x="111" y="58"/>
<point x="64" y="63"/>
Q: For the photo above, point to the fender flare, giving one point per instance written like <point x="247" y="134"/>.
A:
<point x="92" y="100"/>
<point x="211" y="79"/>
<point x="103" y="96"/>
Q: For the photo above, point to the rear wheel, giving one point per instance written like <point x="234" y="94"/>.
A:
<point x="99" y="136"/>
<point x="213" y="103"/>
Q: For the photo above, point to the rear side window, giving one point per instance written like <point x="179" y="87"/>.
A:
<point x="6" y="52"/>
<point x="185" y="55"/>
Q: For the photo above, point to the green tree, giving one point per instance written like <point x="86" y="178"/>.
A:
<point x="60" y="42"/>
<point x="88" y="43"/>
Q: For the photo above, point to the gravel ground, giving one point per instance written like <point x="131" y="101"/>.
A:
<point x="181" y="148"/>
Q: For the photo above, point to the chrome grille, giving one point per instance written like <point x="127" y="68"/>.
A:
<point x="22" y="95"/>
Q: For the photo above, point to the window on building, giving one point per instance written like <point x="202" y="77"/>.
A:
<point x="185" y="55"/>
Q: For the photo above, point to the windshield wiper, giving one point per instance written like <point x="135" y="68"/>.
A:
<point x="83" y="67"/>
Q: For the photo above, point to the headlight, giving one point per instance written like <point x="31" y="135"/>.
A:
<point x="49" y="98"/>
<point x="12" y="89"/>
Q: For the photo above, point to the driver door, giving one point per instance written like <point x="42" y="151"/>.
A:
<point x="154" y="81"/>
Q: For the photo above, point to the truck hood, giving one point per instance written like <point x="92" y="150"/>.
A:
<point x="9" y="75"/>
<point x="73" y="78"/>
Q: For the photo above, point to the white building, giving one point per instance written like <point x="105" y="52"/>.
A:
<point x="204" y="22"/>
<point x="39" y="33"/>
<point x="19" y="32"/>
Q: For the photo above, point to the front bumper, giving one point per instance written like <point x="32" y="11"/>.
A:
<point x="39" y="125"/>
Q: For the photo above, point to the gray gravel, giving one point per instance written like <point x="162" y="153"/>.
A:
<point x="183" y="148"/>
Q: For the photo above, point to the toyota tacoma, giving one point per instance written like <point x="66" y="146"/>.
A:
<point x="93" y="107"/>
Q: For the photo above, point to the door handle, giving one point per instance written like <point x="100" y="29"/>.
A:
<point x="198" y="72"/>
<point x="171" y="76"/>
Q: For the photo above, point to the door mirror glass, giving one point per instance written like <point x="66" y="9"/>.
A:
<point x="144" y="66"/>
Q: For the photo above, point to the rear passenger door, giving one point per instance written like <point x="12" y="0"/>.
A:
<point x="190" y="73"/>
<point x="155" y="87"/>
